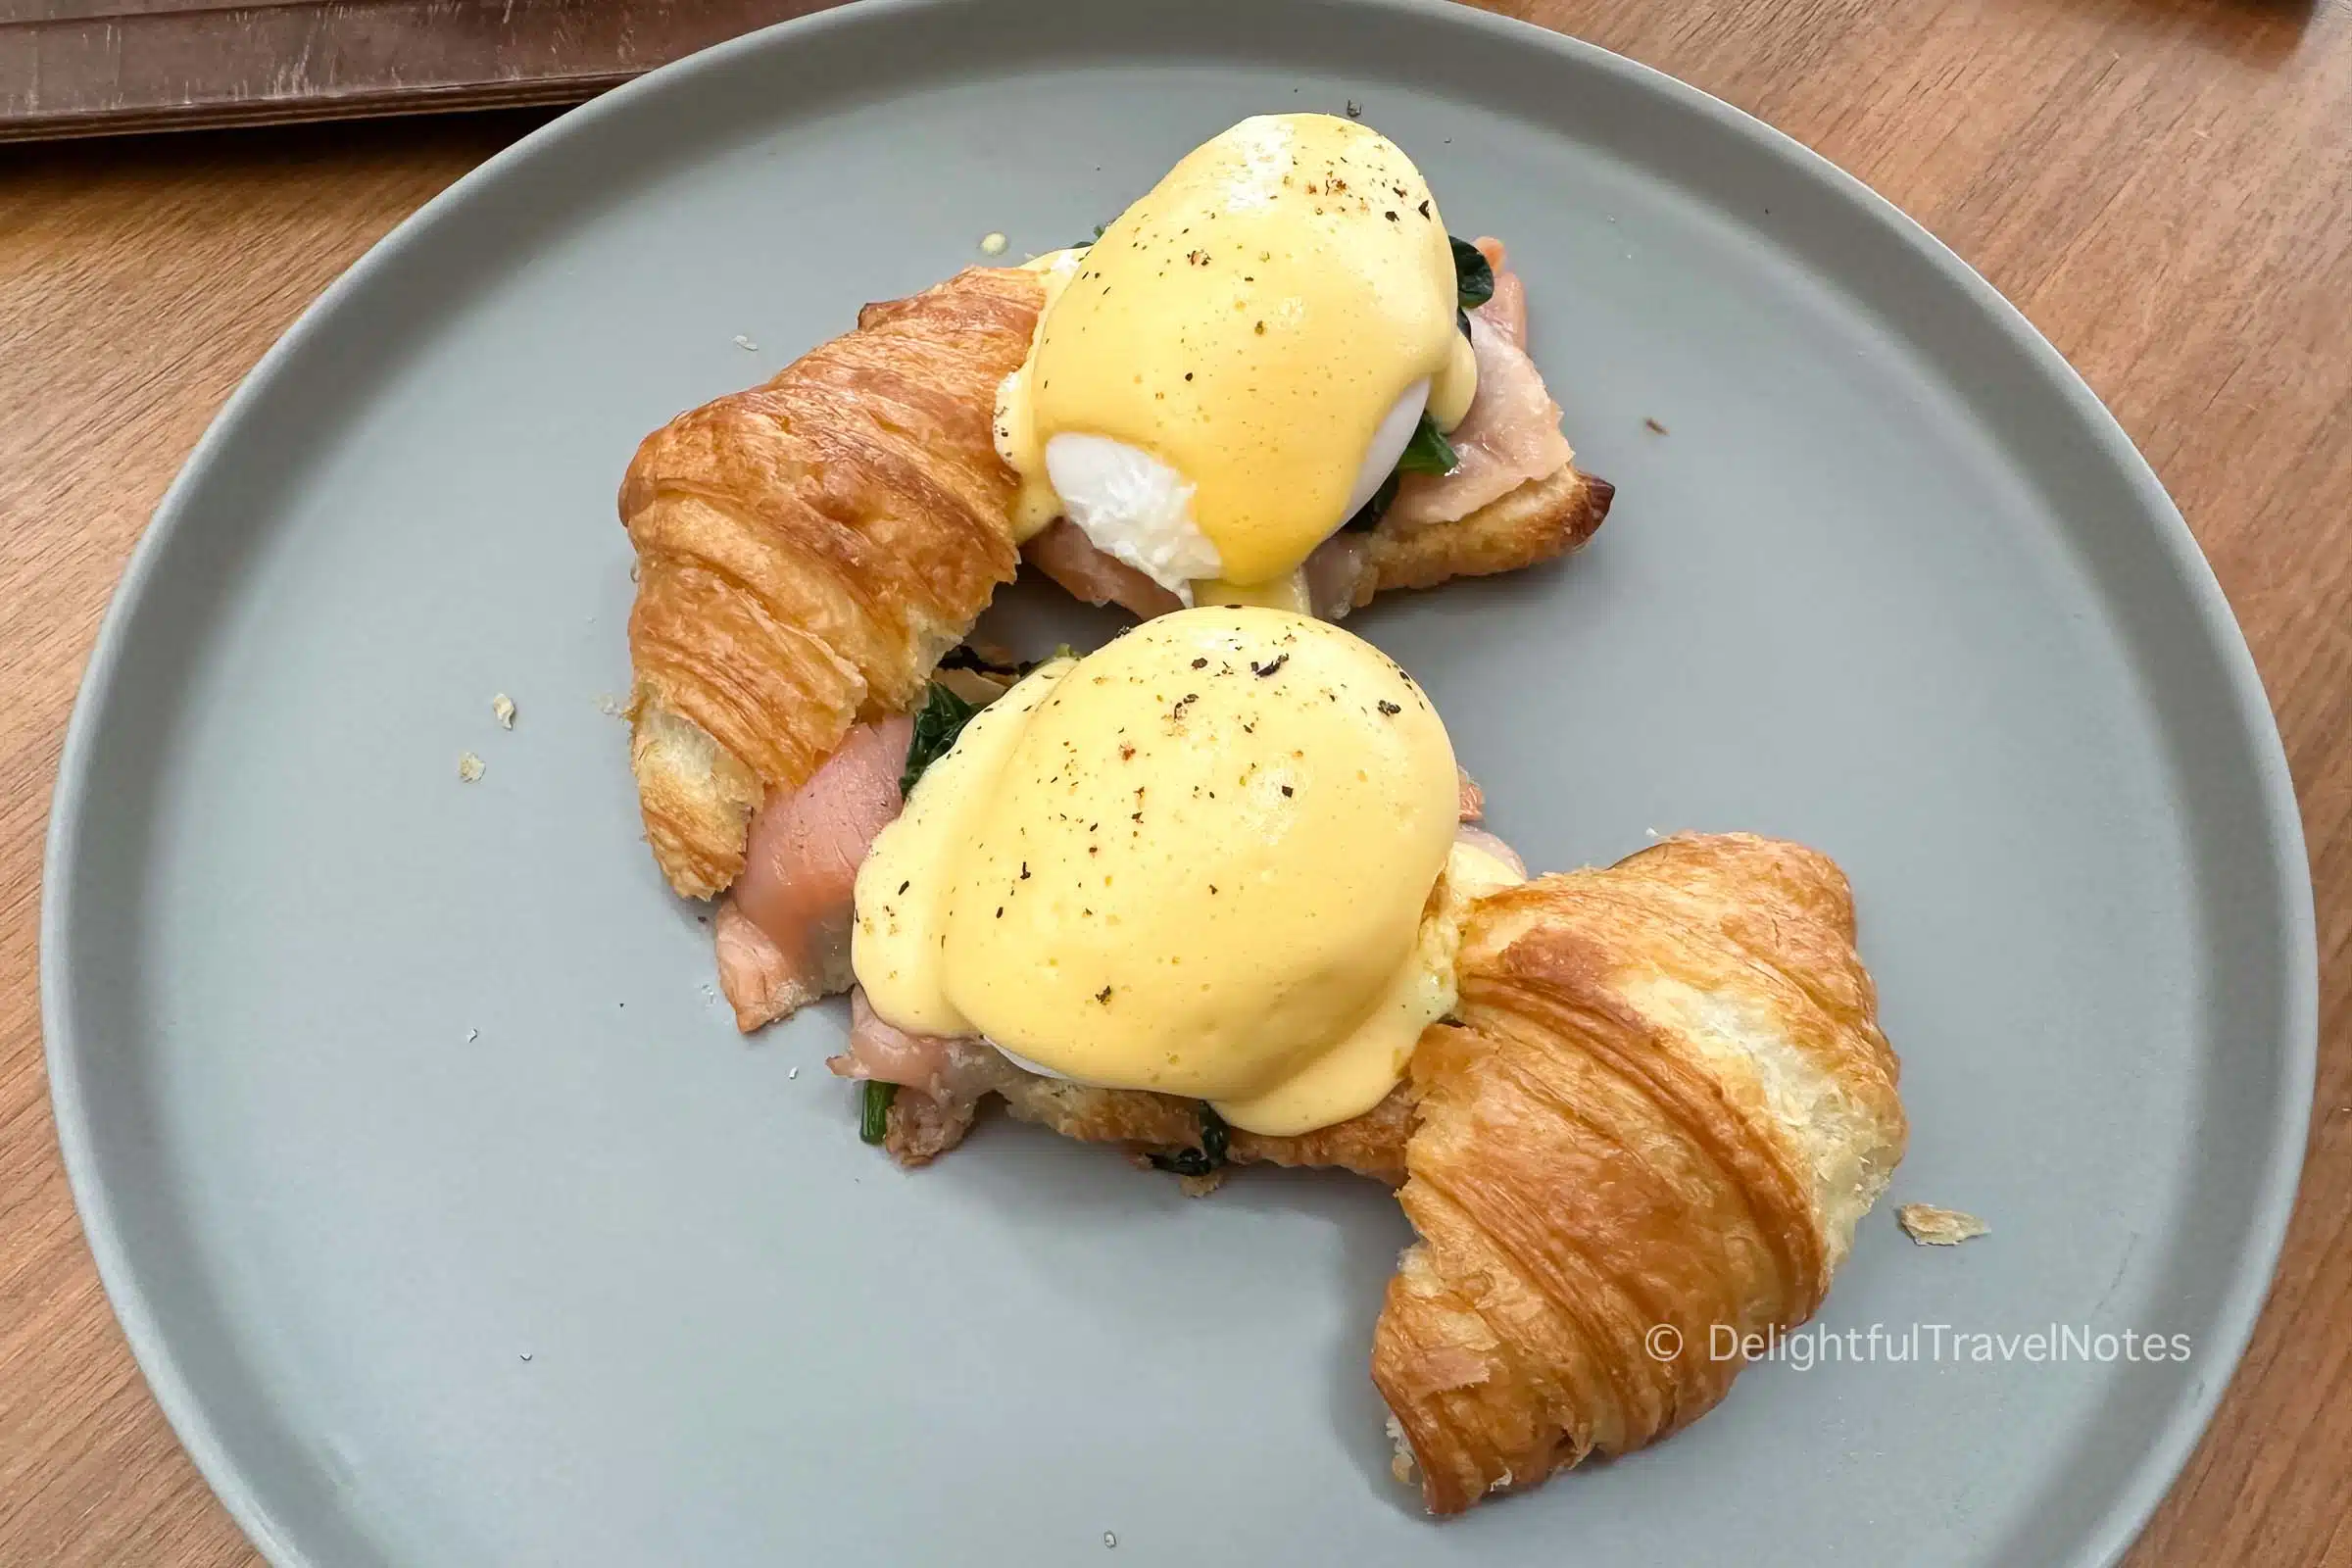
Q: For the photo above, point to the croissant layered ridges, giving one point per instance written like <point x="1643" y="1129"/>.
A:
<point x="806" y="550"/>
<point x="1649" y="1135"/>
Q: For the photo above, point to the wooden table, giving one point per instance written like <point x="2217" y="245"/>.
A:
<point x="2165" y="186"/>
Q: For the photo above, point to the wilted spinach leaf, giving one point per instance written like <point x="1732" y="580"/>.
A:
<point x="1473" y="277"/>
<point x="1427" y="452"/>
<point x="1215" y="1139"/>
<point x="941" y="720"/>
<point x="873" y="1111"/>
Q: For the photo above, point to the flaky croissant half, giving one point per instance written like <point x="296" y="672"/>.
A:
<point x="1665" y="1106"/>
<point x="1647" y="1133"/>
<point x="806" y="550"/>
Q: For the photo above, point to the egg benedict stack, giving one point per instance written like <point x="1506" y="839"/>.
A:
<point x="1240" y="365"/>
<point x="1216" y="858"/>
<point x="1274" y="381"/>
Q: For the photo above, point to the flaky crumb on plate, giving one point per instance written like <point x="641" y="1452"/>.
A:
<point x="1401" y="1463"/>
<point x="469" y="767"/>
<point x="1931" y="1226"/>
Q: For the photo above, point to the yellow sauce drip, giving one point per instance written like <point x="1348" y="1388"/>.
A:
<point x="1034" y="503"/>
<point x="1286" y="591"/>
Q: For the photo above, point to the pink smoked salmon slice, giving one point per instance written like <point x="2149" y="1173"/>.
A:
<point x="783" y="933"/>
<point x="1512" y="432"/>
<point x="955" y="1070"/>
<point x="1064" y="553"/>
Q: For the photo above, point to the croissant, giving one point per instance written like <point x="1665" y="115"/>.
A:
<point x="1666" y="1101"/>
<point x="808" y="549"/>
<point x="1663" y="1104"/>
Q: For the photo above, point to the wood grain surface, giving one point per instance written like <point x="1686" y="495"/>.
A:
<point x="2165" y="186"/>
<point x="82" y="67"/>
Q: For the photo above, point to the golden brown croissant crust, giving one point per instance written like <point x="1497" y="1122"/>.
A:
<point x="1666" y="1102"/>
<point x="1543" y="519"/>
<point x="808" y="550"/>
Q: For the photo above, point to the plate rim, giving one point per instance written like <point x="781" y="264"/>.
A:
<point x="2240" y="1307"/>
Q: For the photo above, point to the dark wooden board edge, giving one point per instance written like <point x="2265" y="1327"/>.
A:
<point x="75" y="69"/>
<point x="299" y="111"/>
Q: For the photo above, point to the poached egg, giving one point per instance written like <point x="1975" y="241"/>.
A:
<point x="1215" y="859"/>
<point x="1236" y="365"/>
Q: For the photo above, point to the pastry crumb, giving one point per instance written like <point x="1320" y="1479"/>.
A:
<point x="612" y="707"/>
<point x="745" y="344"/>
<point x="1652" y="425"/>
<point x="1400" y="1464"/>
<point x="469" y="767"/>
<point x="1931" y="1226"/>
<point x="1110" y="1539"/>
<point x="992" y="244"/>
<point x="501" y="708"/>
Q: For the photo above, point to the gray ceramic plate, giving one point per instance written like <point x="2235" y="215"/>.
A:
<point x="453" y="1223"/>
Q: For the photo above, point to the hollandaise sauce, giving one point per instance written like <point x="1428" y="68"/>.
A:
<point x="1266" y="328"/>
<point x="1209" y="860"/>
